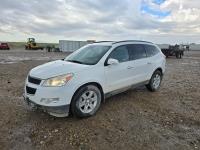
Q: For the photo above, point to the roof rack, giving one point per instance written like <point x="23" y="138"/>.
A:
<point x="103" y="41"/>
<point x="132" y="41"/>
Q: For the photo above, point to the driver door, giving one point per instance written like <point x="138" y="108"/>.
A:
<point x="118" y="76"/>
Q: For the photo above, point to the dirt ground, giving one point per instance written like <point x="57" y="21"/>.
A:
<point x="137" y="119"/>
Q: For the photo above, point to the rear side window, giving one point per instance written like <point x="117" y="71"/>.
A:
<point x="136" y="51"/>
<point x="151" y="50"/>
<point x="120" y="53"/>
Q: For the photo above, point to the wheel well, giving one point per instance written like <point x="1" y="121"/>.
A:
<point x="92" y="83"/>
<point x="159" y="69"/>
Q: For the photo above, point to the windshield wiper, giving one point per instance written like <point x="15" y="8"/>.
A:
<point x="75" y="61"/>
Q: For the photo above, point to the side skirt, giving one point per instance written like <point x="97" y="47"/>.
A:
<point x="107" y="95"/>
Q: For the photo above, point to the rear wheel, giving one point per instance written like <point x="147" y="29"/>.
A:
<point x="178" y="55"/>
<point x="86" y="101"/>
<point x="155" y="81"/>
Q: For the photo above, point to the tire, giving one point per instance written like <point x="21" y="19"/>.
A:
<point x="155" y="81"/>
<point x="86" y="101"/>
<point x="180" y="55"/>
<point x="177" y="55"/>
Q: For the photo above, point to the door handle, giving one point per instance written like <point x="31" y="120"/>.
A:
<point x="149" y="63"/>
<point x="130" y="67"/>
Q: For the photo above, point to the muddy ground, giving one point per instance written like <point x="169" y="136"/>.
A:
<point x="138" y="119"/>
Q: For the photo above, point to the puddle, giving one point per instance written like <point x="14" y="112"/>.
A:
<point x="7" y="62"/>
<point x="185" y="63"/>
<point x="12" y="60"/>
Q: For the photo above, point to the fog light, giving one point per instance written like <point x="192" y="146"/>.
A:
<point x="49" y="100"/>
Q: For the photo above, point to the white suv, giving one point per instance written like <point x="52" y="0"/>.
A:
<point x="80" y="83"/>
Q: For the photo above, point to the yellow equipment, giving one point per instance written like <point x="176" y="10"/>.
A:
<point x="31" y="45"/>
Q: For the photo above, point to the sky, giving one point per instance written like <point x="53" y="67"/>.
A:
<point x="158" y="21"/>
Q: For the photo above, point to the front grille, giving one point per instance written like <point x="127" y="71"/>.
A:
<point x="30" y="90"/>
<point x="34" y="80"/>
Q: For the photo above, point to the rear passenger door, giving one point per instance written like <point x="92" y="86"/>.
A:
<point x="153" y="58"/>
<point x="139" y="61"/>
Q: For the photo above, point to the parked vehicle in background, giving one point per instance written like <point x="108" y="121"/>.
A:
<point x="52" y="48"/>
<point x="32" y="45"/>
<point x="177" y="50"/>
<point x="82" y="81"/>
<point x="4" y="46"/>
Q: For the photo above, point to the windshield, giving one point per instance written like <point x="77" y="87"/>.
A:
<point x="89" y="55"/>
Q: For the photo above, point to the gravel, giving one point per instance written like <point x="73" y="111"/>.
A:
<point x="136" y="119"/>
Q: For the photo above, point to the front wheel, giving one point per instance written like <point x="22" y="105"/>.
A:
<point x="155" y="81"/>
<point x="86" y="101"/>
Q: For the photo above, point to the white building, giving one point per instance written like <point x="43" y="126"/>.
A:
<point x="195" y="47"/>
<point x="163" y="46"/>
<point x="70" y="46"/>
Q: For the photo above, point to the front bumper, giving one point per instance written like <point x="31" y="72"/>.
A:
<point x="57" y="111"/>
<point x="54" y="100"/>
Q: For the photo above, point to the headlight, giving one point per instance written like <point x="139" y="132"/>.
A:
<point x="58" y="81"/>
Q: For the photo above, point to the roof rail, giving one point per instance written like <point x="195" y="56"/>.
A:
<point x="132" y="41"/>
<point x="103" y="41"/>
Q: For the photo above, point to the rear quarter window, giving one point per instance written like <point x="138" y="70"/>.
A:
<point x="136" y="51"/>
<point x="151" y="50"/>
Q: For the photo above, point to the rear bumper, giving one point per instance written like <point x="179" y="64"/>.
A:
<point x="57" y="111"/>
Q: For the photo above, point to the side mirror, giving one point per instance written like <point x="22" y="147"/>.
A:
<point x="112" y="61"/>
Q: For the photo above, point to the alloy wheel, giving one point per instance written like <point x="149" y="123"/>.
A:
<point x="88" y="101"/>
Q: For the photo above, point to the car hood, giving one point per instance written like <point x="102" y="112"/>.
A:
<point x="56" y="68"/>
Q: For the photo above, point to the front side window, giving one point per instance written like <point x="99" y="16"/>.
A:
<point x="151" y="50"/>
<point x="136" y="51"/>
<point x="120" y="53"/>
<point x="89" y="55"/>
